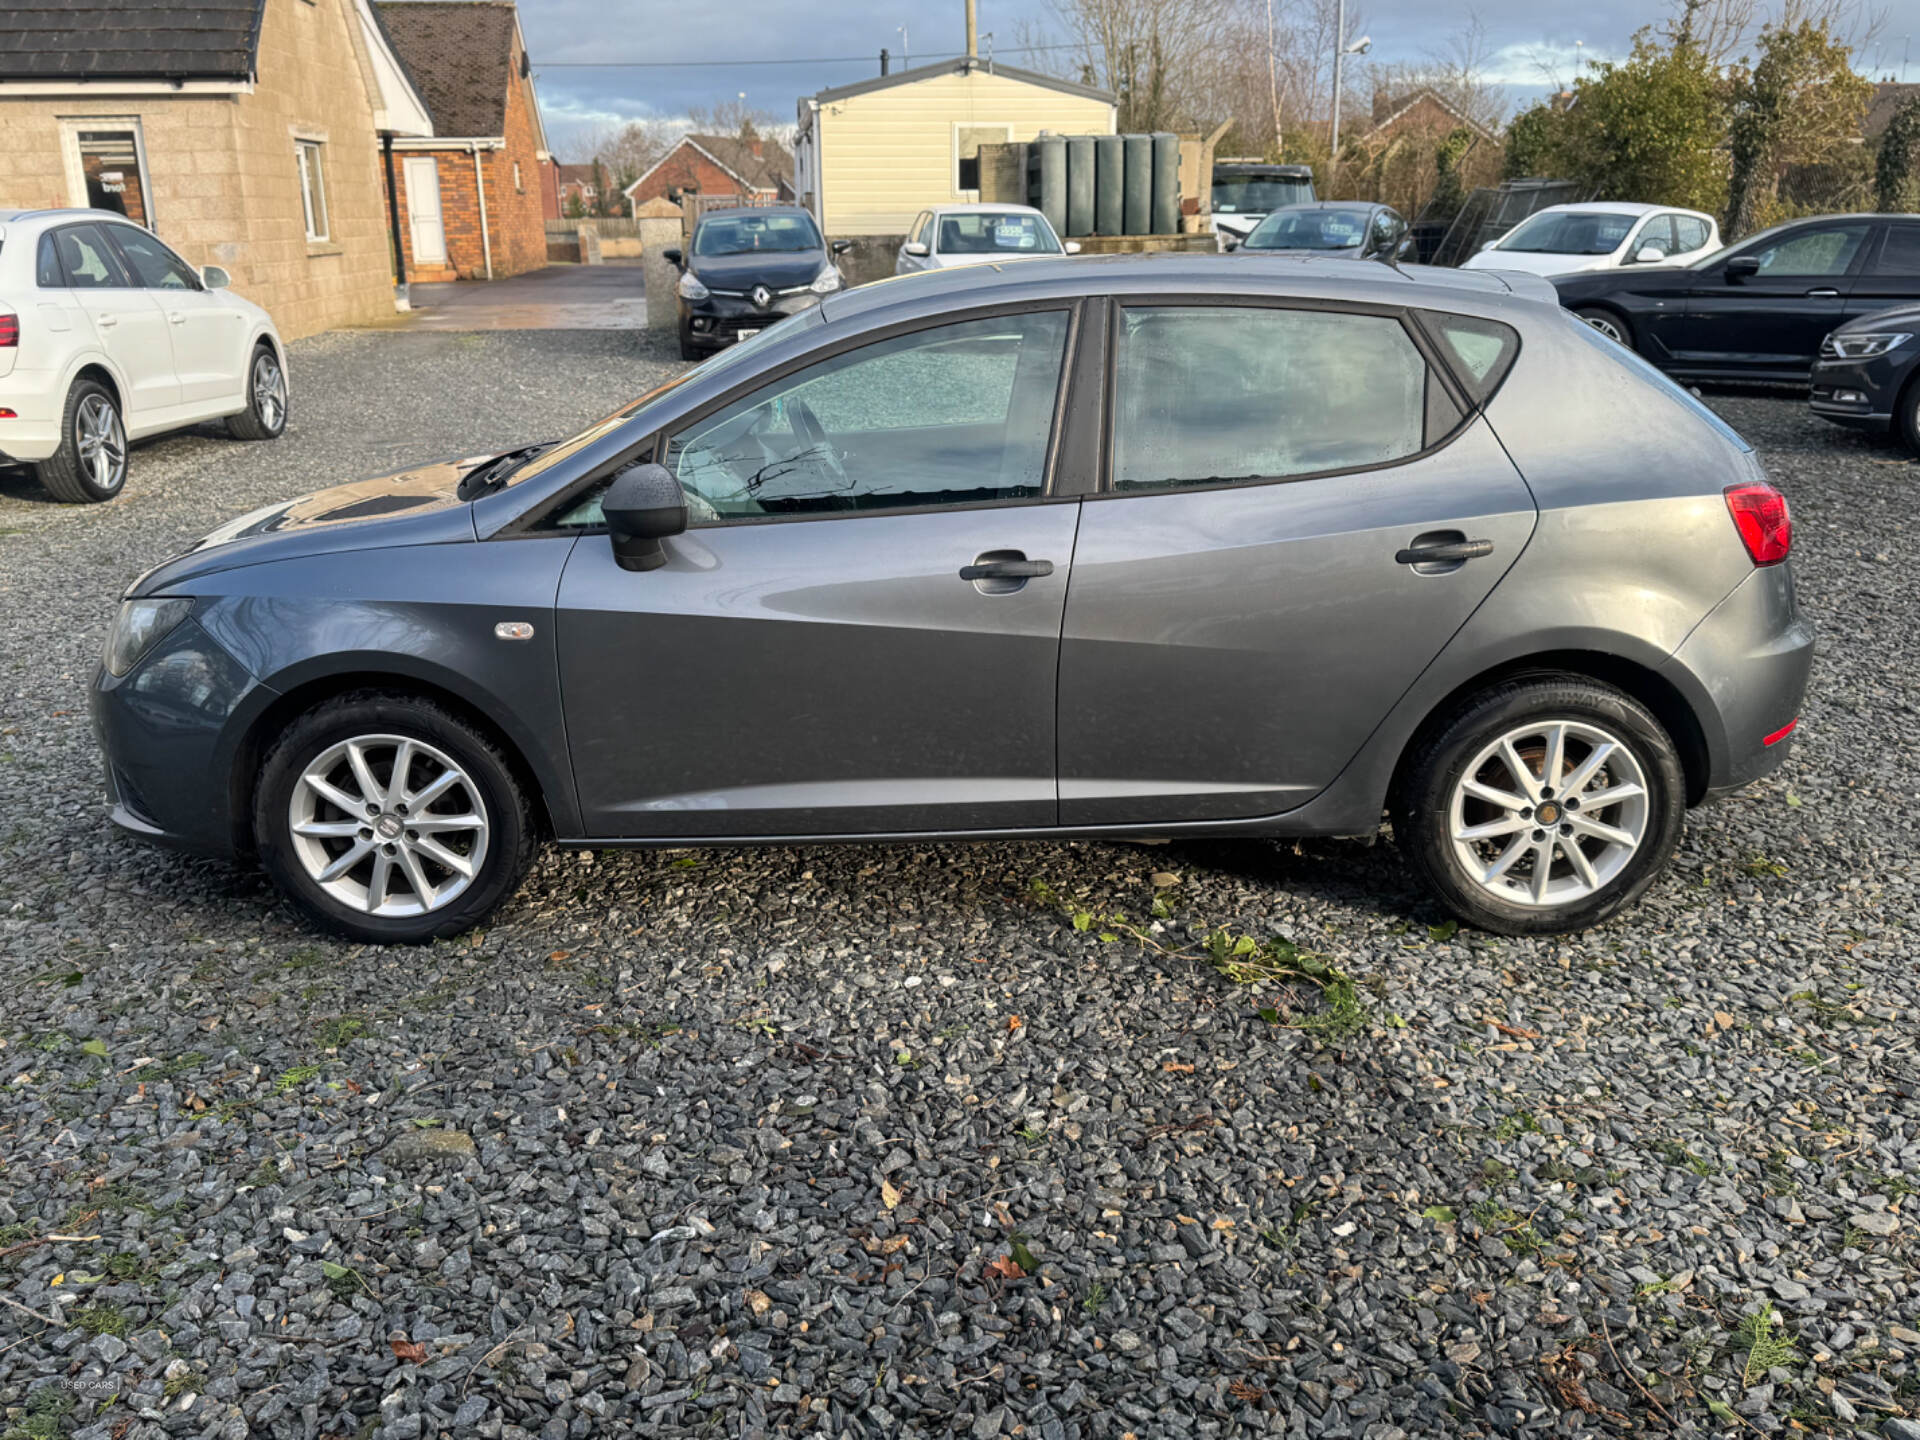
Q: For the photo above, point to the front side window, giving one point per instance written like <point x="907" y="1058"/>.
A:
<point x="1825" y="252"/>
<point x="973" y="232"/>
<point x="84" y="255"/>
<point x="956" y="415"/>
<point x="313" y="186"/>
<point x="745" y="233"/>
<point x="1657" y="233"/>
<point x="1209" y="395"/>
<point x="153" y="264"/>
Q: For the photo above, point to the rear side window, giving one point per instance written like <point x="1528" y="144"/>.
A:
<point x="1900" y="251"/>
<point x="1208" y="395"/>
<point x="89" y="263"/>
<point x="1692" y="232"/>
<point x="47" y="266"/>
<point x="1482" y="351"/>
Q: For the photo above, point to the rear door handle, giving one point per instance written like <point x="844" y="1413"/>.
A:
<point x="176" y="317"/>
<point x="105" y="322"/>
<point x="1447" y="553"/>
<point x="1824" y="293"/>
<point x="985" y="569"/>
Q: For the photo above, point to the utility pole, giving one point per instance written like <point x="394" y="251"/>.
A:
<point x="1339" y="60"/>
<point x="973" y="37"/>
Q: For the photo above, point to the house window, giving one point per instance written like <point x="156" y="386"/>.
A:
<point x="313" y="187"/>
<point x="518" y="188"/>
<point x="107" y="167"/>
<point x="967" y="140"/>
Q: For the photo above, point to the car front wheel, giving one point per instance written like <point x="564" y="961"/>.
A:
<point x="266" y="413"/>
<point x="390" y="820"/>
<point x="1544" y="805"/>
<point x="91" y="464"/>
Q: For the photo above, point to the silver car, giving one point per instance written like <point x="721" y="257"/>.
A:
<point x="1128" y="547"/>
<point x="950" y="235"/>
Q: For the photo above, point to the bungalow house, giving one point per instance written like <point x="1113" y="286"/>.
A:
<point x="246" y="133"/>
<point x="757" y="169"/>
<point x="870" y="156"/>
<point x="469" y="198"/>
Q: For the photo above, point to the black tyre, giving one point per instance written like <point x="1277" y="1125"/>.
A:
<point x="1906" y="415"/>
<point x="1609" y="323"/>
<point x="91" y="465"/>
<point x="386" y="818"/>
<point x="688" y="350"/>
<point x="267" y="400"/>
<point x="1544" y="805"/>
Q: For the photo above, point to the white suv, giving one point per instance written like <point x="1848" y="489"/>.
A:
<point x="107" y="336"/>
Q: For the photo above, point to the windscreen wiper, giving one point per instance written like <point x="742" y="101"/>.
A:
<point x="490" y="475"/>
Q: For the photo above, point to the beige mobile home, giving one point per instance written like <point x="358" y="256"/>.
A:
<point x="870" y="156"/>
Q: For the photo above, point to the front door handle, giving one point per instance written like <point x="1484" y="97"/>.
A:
<point x="105" y="322"/>
<point x="1008" y="569"/>
<point x="176" y="317"/>
<point x="1826" y="292"/>
<point x="1449" y="552"/>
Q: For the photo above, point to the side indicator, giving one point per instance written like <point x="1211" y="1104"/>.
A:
<point x="516" y="630"/>
<point x="1782" y="733"/>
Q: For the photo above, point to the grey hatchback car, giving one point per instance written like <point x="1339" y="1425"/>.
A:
<point x="1115" y="547"/>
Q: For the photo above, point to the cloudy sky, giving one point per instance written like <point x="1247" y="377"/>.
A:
<point x="696" y="54"/>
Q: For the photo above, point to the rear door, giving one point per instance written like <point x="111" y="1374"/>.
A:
<point x="209" y="336"/>
<point x="1770" y="325"/>
<point x="127" y="320"/>
<point x="1892" y="275"/>
<point x="1259" y="581"/>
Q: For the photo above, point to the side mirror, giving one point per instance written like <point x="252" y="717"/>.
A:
<point x="1742" y="267"/>
<point x="1491" y="243"/>
<point x="673" y="257"/>
<point x="644" y="505"/>
<point x="214" y="278"/>
<point x="915" y="248"/>
<point x="1231" y="243"/>
<point x="1649" y="255"/>
<point x="840" y="247"/>
<point x="1073" y="247"/>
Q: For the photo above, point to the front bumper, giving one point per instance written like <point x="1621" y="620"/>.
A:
<point x="166" y="729"/>
<point x="1858" y="393"/>
<point x="719" y="320"/>
<point x="1745" y="670"/>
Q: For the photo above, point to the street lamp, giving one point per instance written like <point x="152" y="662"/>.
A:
<point x="1341" y="49"/>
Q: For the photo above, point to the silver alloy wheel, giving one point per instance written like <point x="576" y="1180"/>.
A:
<point x="388" y="825"/>
<point x="101" y="443"/>
<point x="1549" y="814"/>
<point x="269" y="391"/>
<point x="1606" y="327"/>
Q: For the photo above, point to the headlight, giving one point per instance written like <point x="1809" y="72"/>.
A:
<point x="691" y="288"/>
<point x="1860" y="346"/>
<point x="138" y="627"/>
<point x="826" y="282"/>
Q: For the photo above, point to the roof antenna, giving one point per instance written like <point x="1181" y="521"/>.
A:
<point x="988" y="37"/>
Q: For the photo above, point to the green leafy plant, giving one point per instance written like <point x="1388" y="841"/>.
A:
<point x="1766" y="1344"/>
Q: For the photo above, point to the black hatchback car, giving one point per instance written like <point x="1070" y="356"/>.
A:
<point x="1758" y="309"/>
<point x="748" y="268"/>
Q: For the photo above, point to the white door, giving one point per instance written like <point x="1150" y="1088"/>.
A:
<point x="209" y="335"/>
<point x="423" y="210"/>
<point x="128" y="321"/>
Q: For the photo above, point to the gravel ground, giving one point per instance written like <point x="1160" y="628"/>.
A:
<point x="924" y="1140"/>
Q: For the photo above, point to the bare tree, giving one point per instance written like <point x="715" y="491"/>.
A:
<point x="1157" y="56"/>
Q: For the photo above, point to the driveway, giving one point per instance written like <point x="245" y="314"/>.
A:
<point x="960" y="1139"/>
<point x="560" y="297"/>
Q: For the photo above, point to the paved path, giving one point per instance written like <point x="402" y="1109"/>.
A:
<point x="560" y="297"/>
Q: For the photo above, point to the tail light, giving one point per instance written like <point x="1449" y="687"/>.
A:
<point x="9" y="331"/>
<point x="1760" y="515"/>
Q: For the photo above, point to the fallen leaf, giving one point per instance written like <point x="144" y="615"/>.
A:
<point x="1163" y="878"/>
<point x="1004" y="1267"/>
<point x="1014" y="1022"/>
<point x="891" y="1196"/>
<point x="1174" y="1067"/>
<point x="410" y="1351"/>
<point x="1517" y="1031"/>
<point x="560" y="955"/>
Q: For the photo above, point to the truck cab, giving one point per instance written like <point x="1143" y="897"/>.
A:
<point x="1246" y="191"/>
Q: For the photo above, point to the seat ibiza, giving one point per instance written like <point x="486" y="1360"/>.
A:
<point x="1118" y="547"/>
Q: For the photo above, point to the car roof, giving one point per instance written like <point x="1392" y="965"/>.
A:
<point x="982" y="206"/>
<point x="1331" y="205"/>
<point x="734" y="211"/>
<point x="1279" y="274"/>
<point x="51" y="216"/>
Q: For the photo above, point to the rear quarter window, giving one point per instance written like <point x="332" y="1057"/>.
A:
<point x="1481" y="352"/>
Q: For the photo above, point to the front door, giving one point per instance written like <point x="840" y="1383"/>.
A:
<point x="1241" y="619"/>
<point x="126" y="319"/>
<point x="423" y="210"/>
<point x="209" y="335"/>
<point x="1771" y="323"/>
<point x="860" y="631"/>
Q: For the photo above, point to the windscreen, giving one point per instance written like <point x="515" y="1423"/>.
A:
<point x="1568" y="233"/>
<point x="748" y="234"/>
<point x="1311" y="230"/>
<point x="980" y="233"/>
<point x="1257" y="194"/>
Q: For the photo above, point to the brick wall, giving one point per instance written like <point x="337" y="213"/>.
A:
<point x="224" y="180"/>
<point x="515" y="230"/>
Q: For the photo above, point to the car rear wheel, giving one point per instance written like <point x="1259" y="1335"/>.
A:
<point x="91" y="464"/>
<point x="1906" y="414"/>
<point x="1613" y="326"/>
<point x="388" y="819"/>
<point x="1544" y="805"/>
<point x="266" y="414"/>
